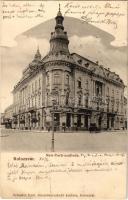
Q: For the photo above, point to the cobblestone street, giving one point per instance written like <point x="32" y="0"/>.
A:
<point x="17" y="140"/>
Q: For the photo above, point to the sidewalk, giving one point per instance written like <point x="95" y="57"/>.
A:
<point x="68" y="131"/>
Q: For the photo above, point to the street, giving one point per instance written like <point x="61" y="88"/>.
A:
<point x="37" y="141"/>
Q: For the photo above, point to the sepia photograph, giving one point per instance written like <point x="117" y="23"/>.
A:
<point x="64" y="109"/>
<point x="64" y="76"/>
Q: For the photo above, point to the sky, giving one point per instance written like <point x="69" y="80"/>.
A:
<point x="105" y="42"/>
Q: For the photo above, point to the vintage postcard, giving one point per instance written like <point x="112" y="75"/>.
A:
<point x="63" y="122"/>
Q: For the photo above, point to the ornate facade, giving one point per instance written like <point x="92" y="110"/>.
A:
<point x="67" y="89"/>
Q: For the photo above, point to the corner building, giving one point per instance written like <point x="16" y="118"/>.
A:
<point x="67" y="89"/>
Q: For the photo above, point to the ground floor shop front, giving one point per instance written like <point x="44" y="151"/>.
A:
<point x="67" y="119"/>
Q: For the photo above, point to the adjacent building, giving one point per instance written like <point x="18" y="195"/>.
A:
<point x="125" y="113"/>
<point x="66" y="89"/>
<point x="7" y="117"/>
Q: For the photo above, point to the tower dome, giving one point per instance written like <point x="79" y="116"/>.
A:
<point x="59" y="39"/>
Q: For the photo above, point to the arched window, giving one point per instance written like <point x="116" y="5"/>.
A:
<point x="56" y="78"/>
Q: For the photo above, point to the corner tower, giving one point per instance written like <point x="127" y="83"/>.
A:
<point x="58" y="67"/>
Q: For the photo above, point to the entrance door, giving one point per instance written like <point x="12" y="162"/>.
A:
<point x="100" y="118"/>
<point x="112" y="122"/>
<point x="68" y="120"/>
<point x="56" y="120"/>
<point x="79" y="120"/>
<point x="86" y="122"/>
<point x="107" y="122"/>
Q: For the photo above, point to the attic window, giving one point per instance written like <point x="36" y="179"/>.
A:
<point x="86" y="64"/>
<point x="80" y="61"/>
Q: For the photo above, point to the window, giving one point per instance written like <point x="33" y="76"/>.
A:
<point x="98" y="88"/>
<point x="67" y="98"/>
<point x="86" y="64"/>
<point x="112" y="92"/>
<point x="59" y="21"/>
<point x="67" y="79"/>
<point x="29" y="103"/>
<point x="32" y="87"/>
<point x="29" y="90"/>
<point x="47" y="79"/>
<point x="80" y="61"/>
<point x="117" y="105"/>
<point x="56" y="78"/>
<point x="86" y="102"/>
<point x="87" y="85"/>
<point x="35" y="85"/>
<point x="79" y="100"/>
<point x="108" y="91"/>
<point x="39" y="82"/>
<point x="35" y="101"/>
<point x="47" y="99"/>
<point x="97" y="91"/>
<point x="79" y="83"/>
<point x="39" y="100"/>
<point x="121" y="97"/>
<point x="32" y="102"/>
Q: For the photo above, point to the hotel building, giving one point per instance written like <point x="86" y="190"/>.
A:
<point x="68" y="90"/>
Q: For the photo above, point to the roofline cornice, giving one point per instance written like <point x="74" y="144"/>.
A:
<point x="98" y="76"/>
<point x="34" y="73"/>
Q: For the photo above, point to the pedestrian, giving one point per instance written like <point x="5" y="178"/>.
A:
<point x="64" y="127"/>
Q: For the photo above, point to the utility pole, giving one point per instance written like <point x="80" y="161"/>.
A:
<point x="52" y="148"/>
<point x="54" y="104"/>
<point x="53" y="136"/>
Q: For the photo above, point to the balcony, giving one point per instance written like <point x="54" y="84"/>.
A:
<point x="7" y="120"/>
<point x="14" y="114"/>
<point x="15" y="121"/>
<point x="34" y="120"/>
<point x="31" y="109"/>
<point x="22" y="121"/>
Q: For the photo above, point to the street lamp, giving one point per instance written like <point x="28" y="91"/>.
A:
<point x="53" y="138"/>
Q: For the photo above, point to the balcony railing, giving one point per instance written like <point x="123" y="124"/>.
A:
<point x="32" y="109"/>
<point x="14" y="114"/>
<point x="34" y="119"/>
